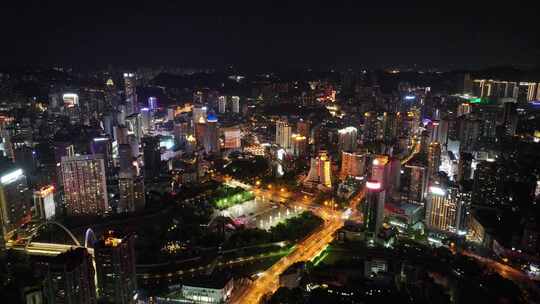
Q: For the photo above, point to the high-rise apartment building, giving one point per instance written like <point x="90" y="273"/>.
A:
<point x="283" y="135"/>
<point x="15" y="200"/>
<point x="115" y="268"/>
<point x="69" y="278"/>
<point x="151" y="157"/>
<point x="373" y="209"/>
<point x="444" y="209"/>
<point x="347" y="139"/>
<point x="353" y="164"/>
<point x="320" y="172"/>
<point x="211" y="138"/>
<point x="130" y="85"/>
<point x="85" y="188"/>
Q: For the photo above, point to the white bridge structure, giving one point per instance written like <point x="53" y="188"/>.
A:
<point x="53" y="249"/>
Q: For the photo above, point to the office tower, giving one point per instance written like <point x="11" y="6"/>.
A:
<point x="108" y="124"/>
<point x="303" y="128"/>
<point x="444" y="209"/>
<point x="347" y="139"/>
<point x="24" y="157"/>
<point x="134" y="125"/>
<point x="486" y="179"/>
<point x="299" y="145"/>
<point x="510" y="118"/>
<point x="424" y="142"/>
<point x="353" y="164"/>
<point x="134" y="143"/>
<point x="283" y="135"/>
<point x="417" y="181"/>
<point x="69" y="278"/>
<point x="152" y="157"/>
<point x="44" y="205"/>
<point x="121" y="135"/>
<point x="469" y="133"/>
<point x="146" y="121"/>
<point x="85" y="188"/>
<point x="115" y="268"/>
<point x="181" y="132"/>
<point x="373" y="209"/>
<point x="15" y="200"/>
<point x="320" y="172"/>
<point x="199" y="114"/>
<point x="131" y="192"/>
<point x="442" y="134"/>
<point x="125" y="158"/>
<point x="433" y="129"/>
<point x="200" y="132"/>
<point x="369" y="129"/>
<point x="394" y="178"/>
<point x="380" y="170"/>
<point x="131" y="94"/>
<point x="152" y="103"/>
<point x="211" y="139"/>
<point x="103" y="146"/>
<point x="233" y="138"/>
<point x="390" y="126"/>
<point x="235" y="101"/>
<point x="222" y="104"/>
<point x="464" y="167"/>
<point x="434" y="158"/>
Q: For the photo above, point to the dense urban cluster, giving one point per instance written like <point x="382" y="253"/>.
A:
<point x="175" y="185"/>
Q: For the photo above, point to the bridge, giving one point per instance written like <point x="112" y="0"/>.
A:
<point x="52" y="249"/>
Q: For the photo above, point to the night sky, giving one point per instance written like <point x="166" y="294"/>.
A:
<point x="325" y="33"/>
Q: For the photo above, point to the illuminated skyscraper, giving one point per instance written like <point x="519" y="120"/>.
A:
<point x="130" y="85"/>
<point x="369" y="130"/>
<point x="299" y="145"/>
<point x="131" y="191"/>
<point x="464" y="167"/>
<point x="417" y="181"/>
<point x="510" y="118"/>
<point x="85" y="188"/>
<point x="152" y="103"/>
<point x="235" y="101"/>
<point x="15" y="200"/>
<point x="199" y="114"/>
<point x="222" y="104"/>
<point x="390" y="126"/>
<point x="146" y="121"/>
<point x="233" y="138"/>
<point x="69" y="278"/>
<point x="353" y="164"/>
<point x="444" y="209"/>
<point x="469" y="133"/>
<point x="115" y="268"/>
<point x="181" y="132"/>
<point x="134" y="125"/>
<point x="102" y="145"/>
<point x="320" y="172"/>
<point x="152" y="157"/>
<point x="211" y="138"/>
<point x="45" y="207"/>
<point x="303" y="128"/>
<point x="434" y="158"/>
<point x="380" y="170"/>
<point x="283" y="135"/>
<point x="347" y="140"/>
<point x="373" y="209"/>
